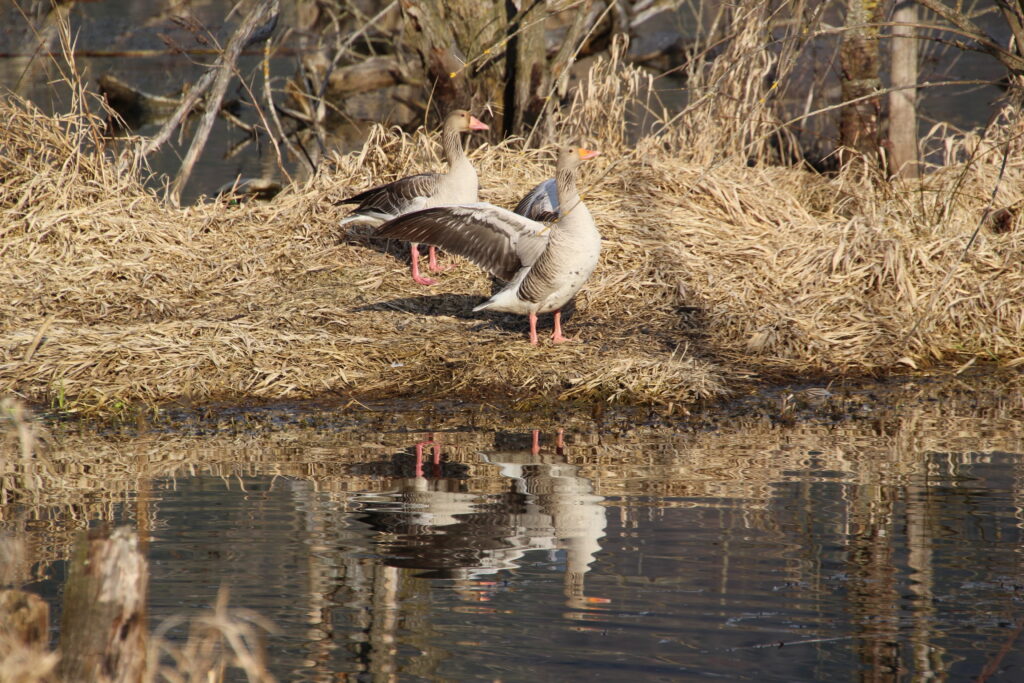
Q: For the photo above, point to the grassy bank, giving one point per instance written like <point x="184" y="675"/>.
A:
<point x="714" y="273"/>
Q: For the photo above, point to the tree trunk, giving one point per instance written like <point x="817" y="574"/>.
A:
<point x="903" y="99"/>
<point x="530" y="80"/>
<point x="461" y="44"/>
<point x="103" y="624"/>
<point x="859" y="60"/>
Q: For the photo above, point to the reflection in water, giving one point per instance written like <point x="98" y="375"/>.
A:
<point x="435" y="527"/>
<point x="882" y="548"/>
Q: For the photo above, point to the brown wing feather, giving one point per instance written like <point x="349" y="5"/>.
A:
<point x="495" y="239"/>
<point x="395" y="197"/>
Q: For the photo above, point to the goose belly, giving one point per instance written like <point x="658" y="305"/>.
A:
<point x="552" y="283"/>
<point x="566" y="287"/>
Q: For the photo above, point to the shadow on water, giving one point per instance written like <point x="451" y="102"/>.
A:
<point x="875" y="534"/>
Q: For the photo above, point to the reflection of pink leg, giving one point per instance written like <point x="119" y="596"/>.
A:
<point x="419" y="458"/>
<point x="437" y="456"/>
<point x="432" y="262"/>
<point x="435" y="448"/>
<point x="536" y="442"/>
<point x="419" y="279"/>
<point x="533" y="329"/>
<point x="556" y="336"/>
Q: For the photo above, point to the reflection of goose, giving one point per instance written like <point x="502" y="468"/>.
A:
<point x="435" y="524"/>
<point x="544" y="267"/>
<point x="412" y="193"/>
<point x="562" y="511"/>
<point x="439" y="526"/>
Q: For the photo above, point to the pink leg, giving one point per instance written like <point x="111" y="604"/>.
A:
<point x="533" y="329"/>
<point x="560" y="444"/>
<point x="432" y="262"/>
<point x="556" y="336"/>
<point x="419" y="279"/>
<point x="535" y="449"/>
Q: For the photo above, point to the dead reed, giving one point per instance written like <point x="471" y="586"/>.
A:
<point x="713" y="270"/>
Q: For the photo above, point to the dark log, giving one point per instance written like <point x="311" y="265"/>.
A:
<point x="135" y="106"/>
<point x="103" y="624"/>
<point x="371" y="74"/>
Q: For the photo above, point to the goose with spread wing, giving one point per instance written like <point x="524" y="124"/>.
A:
<point x="544" y="267"/>
<point x="412" y="193"/>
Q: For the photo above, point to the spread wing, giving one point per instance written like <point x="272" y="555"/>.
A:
<point x="541" y="204"/>
<point x="397" y="197"/>
<point x="497" y="240"/>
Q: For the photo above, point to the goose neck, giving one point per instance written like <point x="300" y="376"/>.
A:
<point x="568" y="195"/>
<point x="452" y="143"/>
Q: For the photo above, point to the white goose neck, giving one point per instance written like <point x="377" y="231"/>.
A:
<point x="568" y="195"/>
<point x="452" y="144"/>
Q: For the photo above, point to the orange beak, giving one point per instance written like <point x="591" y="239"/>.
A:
<point x="477" y="124"/>
<point x="587" y="153"/>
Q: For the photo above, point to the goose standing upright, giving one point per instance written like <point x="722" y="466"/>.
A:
<point x="544" y="267"/>
<point x="412" y="193"/>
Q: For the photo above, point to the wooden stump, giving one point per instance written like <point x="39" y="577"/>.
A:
<point x="103" y="625"/>
<point x="24" y="618"/>
<point x="24" y="638"/>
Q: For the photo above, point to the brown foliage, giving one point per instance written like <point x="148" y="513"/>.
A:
<point x="712" y="268"/>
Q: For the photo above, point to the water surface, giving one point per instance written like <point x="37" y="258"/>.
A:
<point x="878" y="538"/>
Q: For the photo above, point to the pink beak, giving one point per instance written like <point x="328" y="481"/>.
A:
<point x="588" y="153"/>
<point x="477" y="124"/>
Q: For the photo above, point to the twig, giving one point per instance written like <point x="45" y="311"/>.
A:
<point x="269" y="94"/>
<point x="215" y="80"/>
<point x="254" y="27"/>
<point x="993" y="665"/>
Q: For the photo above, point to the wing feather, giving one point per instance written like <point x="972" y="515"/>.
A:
<point x="541" y="203"/>
<point x="396" y="197"/>
<point x="496" y="239"/>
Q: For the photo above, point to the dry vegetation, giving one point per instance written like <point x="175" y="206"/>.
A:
<point x="714" y="271"/>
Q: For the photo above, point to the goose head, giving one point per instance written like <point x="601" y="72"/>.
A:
<point x="461" y="121"/>
<point x="570" y="157"/>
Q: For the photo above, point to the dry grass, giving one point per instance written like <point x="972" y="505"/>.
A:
<point x="713" y="270"/>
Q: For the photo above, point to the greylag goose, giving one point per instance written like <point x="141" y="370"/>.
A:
<point x="425" y="190"/>
<point x="544" y="267"/>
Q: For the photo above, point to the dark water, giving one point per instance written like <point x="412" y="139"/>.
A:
<point x="884" y="547"/>
<point x="551" y="582"/>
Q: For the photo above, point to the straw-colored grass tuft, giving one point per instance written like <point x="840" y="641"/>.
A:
<point x="713" y="269"/>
